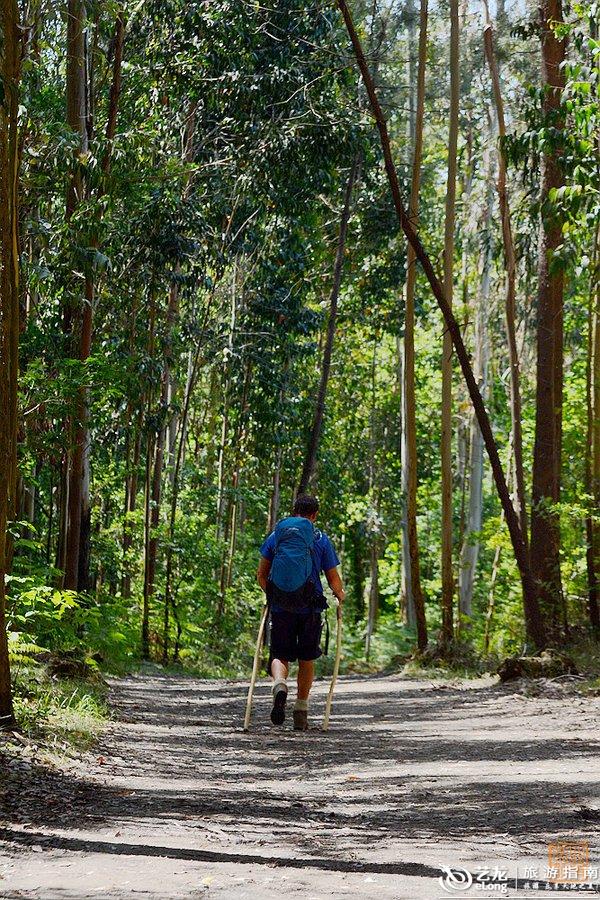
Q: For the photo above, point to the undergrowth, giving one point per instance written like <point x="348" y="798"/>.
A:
<point x="61" y="714"/>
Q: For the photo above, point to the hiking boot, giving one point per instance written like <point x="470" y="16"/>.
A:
<point x="279" y="701"/>
<point x="300" y="720"/>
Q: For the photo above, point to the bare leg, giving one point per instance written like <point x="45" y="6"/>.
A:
<point x="279" y="669"/>
<point x="306" y="673"/>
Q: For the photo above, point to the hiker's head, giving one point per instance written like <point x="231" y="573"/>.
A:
<point x="306" y="506"/>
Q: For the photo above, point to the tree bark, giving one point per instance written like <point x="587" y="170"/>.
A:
<point x="133" y="447"/>
<point x="157" y="465"/>
<point x="79" y="94"/>
<point x="545" y="525"/>
<point x="115" y="91"/>
<point x="449" y="226"/>
<point x="317" y="424"/>
<point x="406" y="595"/>
<point x="226" y="401"/>
<point x="10" y="72"/>
<point x="534" y="623"/>
<point x="145" y="643"/>
<point x="147" y="540"/>
<point x="511" y="292"/>
<point x="470" y="544"/>
<point x="373" y="521"/>
<point x="131" y="486"/>
<point x="74" y="314"/>
<point x="592" y="466"/>
<point x="409" y="459"/>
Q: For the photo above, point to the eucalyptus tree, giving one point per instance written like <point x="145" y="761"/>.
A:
<point x="10" y="71"/>
<point x="317" y="423"/>
<point x="447" y="350"/>
<point x="413" y="588"/>
<point x="533" y="618"/>
<point x="547" y="455"/>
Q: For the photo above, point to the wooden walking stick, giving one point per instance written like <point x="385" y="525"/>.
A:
<point x="336" y="668"/>
<point x="259" y="642"/>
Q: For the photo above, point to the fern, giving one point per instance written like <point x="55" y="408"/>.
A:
<point x="22" y="650"/>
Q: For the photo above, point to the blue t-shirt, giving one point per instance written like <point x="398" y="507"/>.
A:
<point x="324" y="558"/>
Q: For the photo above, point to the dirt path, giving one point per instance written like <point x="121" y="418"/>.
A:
<point x="176" y="802"/>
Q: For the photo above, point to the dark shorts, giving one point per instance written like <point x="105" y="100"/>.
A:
<point x="295" y="635"/>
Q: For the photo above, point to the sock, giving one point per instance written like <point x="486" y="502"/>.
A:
<point x="301" y="705"/>
<point x="279" y="685"/>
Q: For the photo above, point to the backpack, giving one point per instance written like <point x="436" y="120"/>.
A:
<point x="290" y="584"/>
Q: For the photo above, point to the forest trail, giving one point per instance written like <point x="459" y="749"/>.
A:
<point x="177" y="802"/>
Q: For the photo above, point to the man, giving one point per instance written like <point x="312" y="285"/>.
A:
<point x="296" y="634"/>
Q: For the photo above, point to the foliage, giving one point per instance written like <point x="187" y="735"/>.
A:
<point x="207" y="229"/>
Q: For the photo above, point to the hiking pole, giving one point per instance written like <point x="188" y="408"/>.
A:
<point x="259" y="641"/>
<point x="336" y="667"/>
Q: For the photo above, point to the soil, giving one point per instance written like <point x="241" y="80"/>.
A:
<point x="175" y="801"/>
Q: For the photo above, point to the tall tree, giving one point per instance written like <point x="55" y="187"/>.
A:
<point x="77" y="311"/>
<point x="533" y="619"/>
<point x="10" y="70"/>
<point x="470" y="545"/>
<point x="592" y="455"/>
<point x="449" y="226"/>
<point x="511" y="283"/>
<point x="317" y="423"/>
<point x="413" y="590"/>
<point x="546" y="475"/>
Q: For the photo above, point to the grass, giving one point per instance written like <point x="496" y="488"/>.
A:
<point x="62" y="715"/>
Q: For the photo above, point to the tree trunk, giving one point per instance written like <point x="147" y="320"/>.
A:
<point x="62" y="503"/>
<point x="148" y="488"/>
<point x="134" y="431"/>
<point x="592" y="467"/>
<point x="465" y="421"/>
<point x="192" y="377"/>
<point x="446" y="445"/>
<point x="470" y="545"/>
<point x="409" y="459"/>
<point x="373" y="524"/>
<point x="147" y="538"/>
<point x="80" y="118"/>
<point x="317" y="425"/>
<point x="510" y="302"/>
<point x="159" y="452"/>
<point x="169" y="600"/>
<point x="491" y="605"/>
<point x="373" y="596"/>
<point x="545" y="525"/>
<point x="226" y="401"/>
<point x="534" y="622"/>
<point x="407" y="600"/>
<point x="10" y="71"/>
<point x="276" y="490"/>
<point x="357" y="574"/>
<point x="169" y="429"/>
<point x="83" y="437"/>
<point x="240" y="445"/>
<point x="131" y="486"/>
<point x="74" y="314"/>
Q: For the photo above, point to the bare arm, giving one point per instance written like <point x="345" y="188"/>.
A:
<point x="264" y="567"/>
<point x="335" y="583"/>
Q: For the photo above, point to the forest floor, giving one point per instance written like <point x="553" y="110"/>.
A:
<point x="175" y="801"/>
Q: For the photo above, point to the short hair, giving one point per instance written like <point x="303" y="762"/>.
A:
<point x="305" y="505"/>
